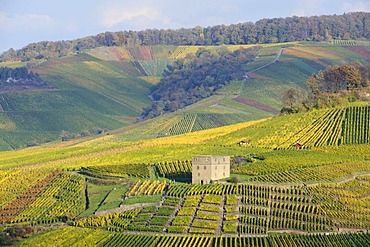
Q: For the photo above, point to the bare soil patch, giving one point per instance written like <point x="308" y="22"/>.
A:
<point x="359" y="50"/>
<point x="257" y="76"/>
<point x="256" y="104"/>
<point x="146" y="53"/>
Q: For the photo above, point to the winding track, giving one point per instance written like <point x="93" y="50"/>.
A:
<point x="247" y="75"/>
<point x="267" y="64"/>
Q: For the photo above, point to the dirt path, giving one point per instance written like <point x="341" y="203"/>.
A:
<point x="342" y="181"/>
<point x="265" y="65"/>
<point x="124" y="208"/>
<point x="250" y="102"/>
<point x="351" y="177"/>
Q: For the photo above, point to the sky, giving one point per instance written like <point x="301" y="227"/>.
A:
<point x="29" y="21"/>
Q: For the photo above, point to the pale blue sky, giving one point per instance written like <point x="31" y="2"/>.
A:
<point x="27" y="21"/>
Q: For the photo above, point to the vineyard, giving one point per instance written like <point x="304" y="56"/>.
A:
<point x="10" y="187"/>
<point x="349" y="42"/>
<point x="317" y="193"/>
<point x="194" y="122"/>
<point x="135" y="170"/>
<point x="175" y="170"/>
<point x="239" y="214"/>
<point x="53" y="197"/>
<point x="62" y="200"/>
<point x="131" y="188"/>
<point x="346" y="204"/>
<point x="310" y="174"/>
<point x="147" y="188"/>
<point x="330" y="127"/>
<point x="153" y="67"/>
<point x="340" y="126"/>
<point x="107" y="88"/>
<point x="236" y="213"/>
<point x="244" y="209"/>
<point x="89" y="96"/>
<point x="89" y="237"/>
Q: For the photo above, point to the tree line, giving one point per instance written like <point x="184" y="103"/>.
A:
<point x="336" y="85"/>
<point x="197" y="76"/>
<point x="315" y="28"/>
<point x="7" y="73"/>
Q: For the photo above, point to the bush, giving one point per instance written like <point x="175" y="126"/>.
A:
<point x="13" y="234"/>
<point x="234" y="180"/>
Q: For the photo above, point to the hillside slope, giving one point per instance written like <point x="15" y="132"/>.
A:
<point x="108" y="87"/>
<point x="87" y="95"/>
<point x="321" y="189"/>
<point x="261" y="94"/>
<point x="331" y="129"/>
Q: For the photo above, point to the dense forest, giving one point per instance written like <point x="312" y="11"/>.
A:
<point x="196" y="77"/>
<point x="336" y="85"/>
<point x="316" y="28"/>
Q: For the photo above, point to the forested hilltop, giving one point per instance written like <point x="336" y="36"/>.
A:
<point x="316" y="28"/>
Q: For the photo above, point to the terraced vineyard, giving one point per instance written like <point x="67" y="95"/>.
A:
<point x="112" y="190"/>
<point x="247" y="210"/>
<point x="250" y="211"/>
<point x="254" y="210"/>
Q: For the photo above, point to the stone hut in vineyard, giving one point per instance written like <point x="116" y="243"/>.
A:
<point x="207" y="168"/>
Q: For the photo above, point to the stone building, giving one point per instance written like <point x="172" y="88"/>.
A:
<point x="207" y="168"/>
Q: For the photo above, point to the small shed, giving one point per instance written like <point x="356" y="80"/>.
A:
<point x="243" y="142"/>
<point x="298" y="145"/>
